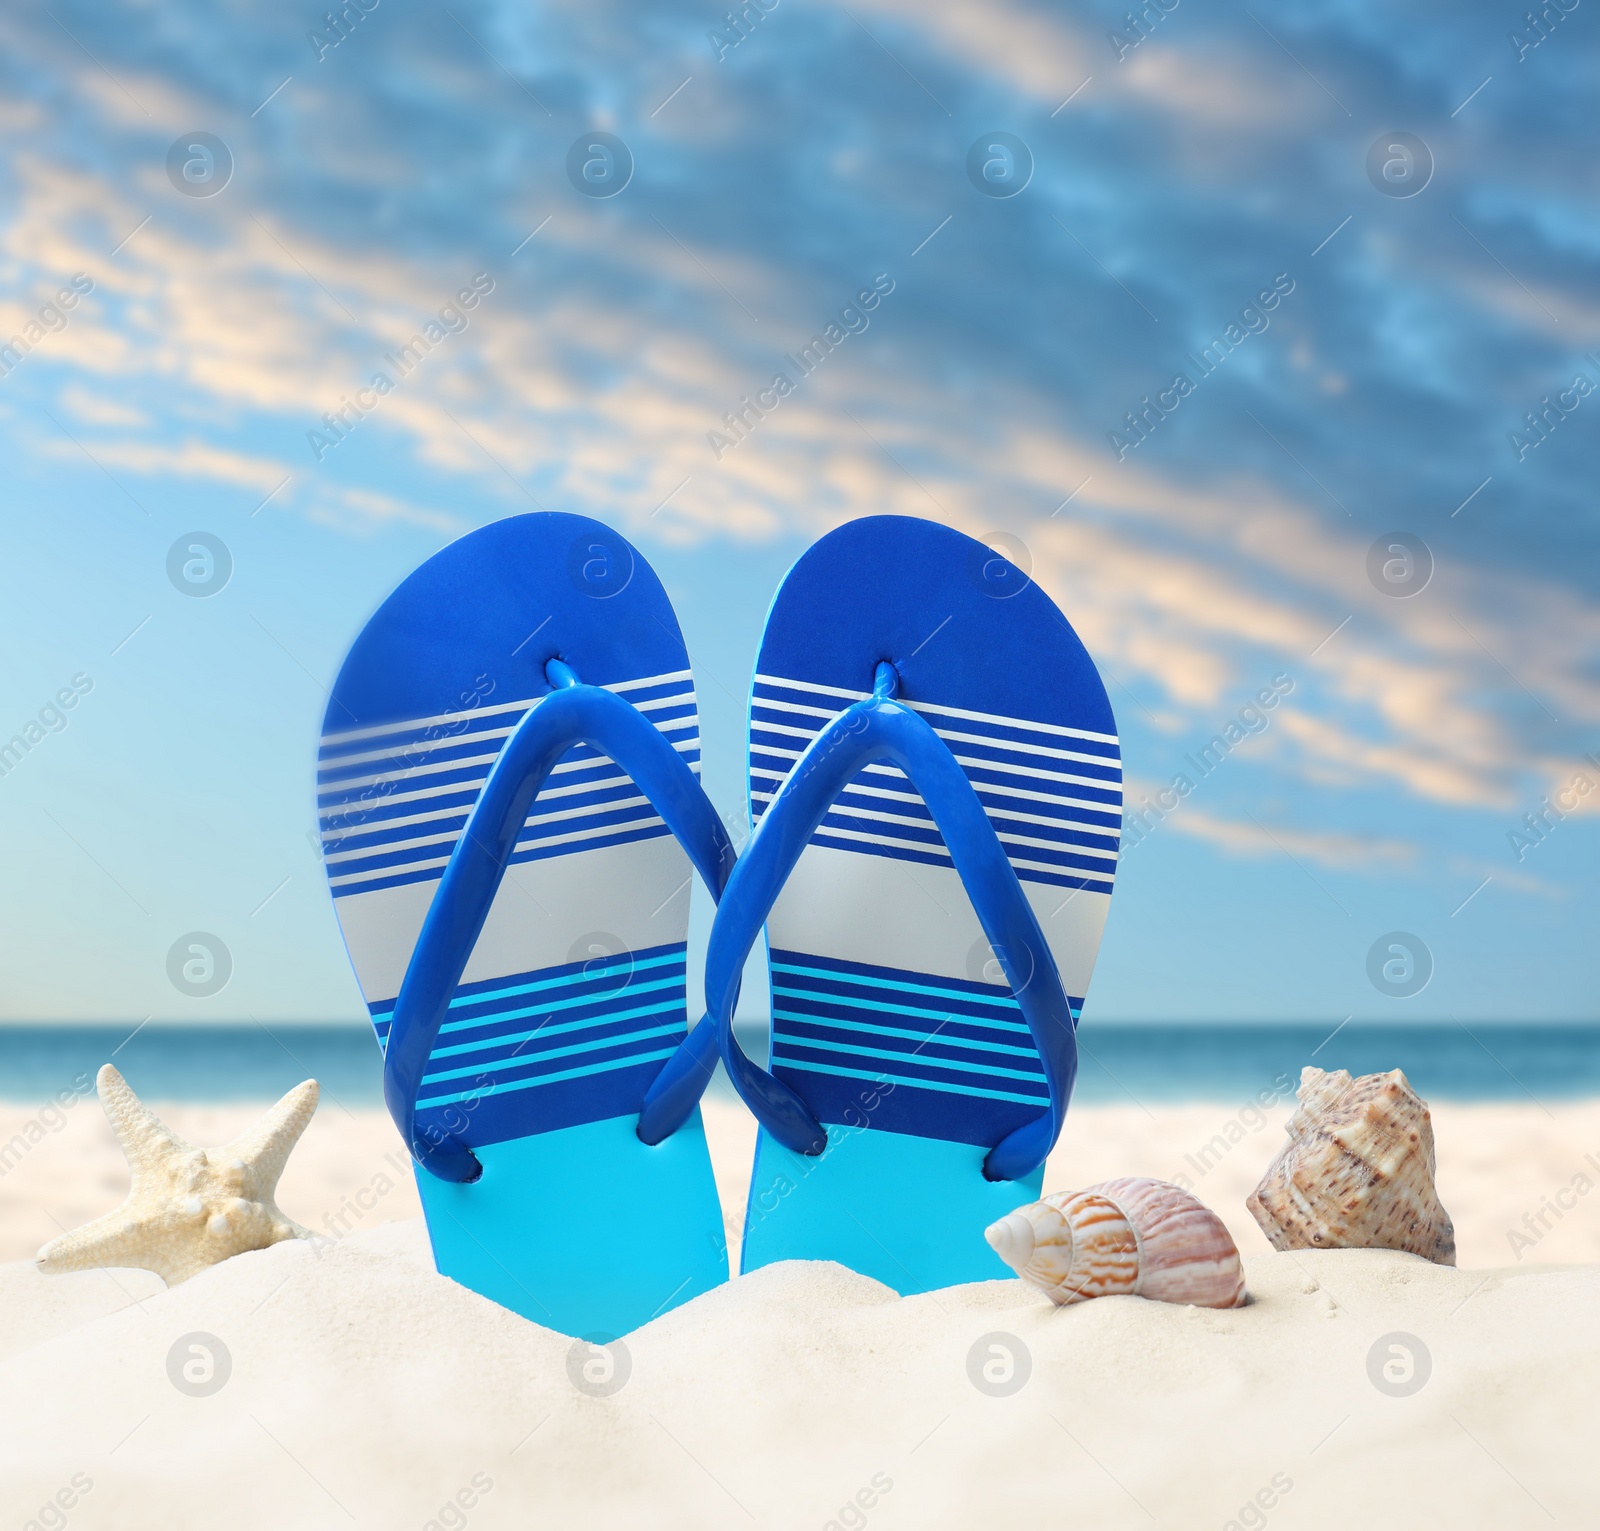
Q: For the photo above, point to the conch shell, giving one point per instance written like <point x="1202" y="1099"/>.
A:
<point x="1357" y="1171"/>
<point x="1134" y="1237"/>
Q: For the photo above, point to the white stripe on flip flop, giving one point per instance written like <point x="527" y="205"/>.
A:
<point x="1005" y="811"/>
<point x="1006" y="839"/>
<point x="683" y="698"/>
<point x="994" y="789"/>
<point x="449" y="837"/>
<point x="949" y="736"/>
<point x="337" y="848"/>
<point x="540" y="843"/>
<point x="1032" y="773"/>
<point x="376" y="730"/>
<point x="405" y="773"/>
<point x="473" y="784"/>
<point x="998" y="719"/>
<point x="1018" y="859"/>
<point x="605" y="784"/>
<point x="480" y="735"/>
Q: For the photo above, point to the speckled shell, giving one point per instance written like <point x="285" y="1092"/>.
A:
<point x="1133" y="1237"/>
<point x="1357" y="1171"/>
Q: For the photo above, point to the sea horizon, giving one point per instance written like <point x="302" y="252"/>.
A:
<point x="1120" y="1062"/>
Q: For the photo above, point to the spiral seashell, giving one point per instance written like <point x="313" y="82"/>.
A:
<point x="1357" y="1171"/>
<point x="1133" y="1237"/>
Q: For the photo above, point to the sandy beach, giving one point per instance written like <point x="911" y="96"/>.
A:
<point x="1504" y="1170"/>
<point x="359" y="1387"/>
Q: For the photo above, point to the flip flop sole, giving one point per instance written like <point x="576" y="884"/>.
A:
<point x="574" y="994"/>
<point x="891" y="1016"/>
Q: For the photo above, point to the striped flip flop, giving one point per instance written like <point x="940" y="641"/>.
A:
<point x="935" y="776"/>
<point x="511" y="817"/>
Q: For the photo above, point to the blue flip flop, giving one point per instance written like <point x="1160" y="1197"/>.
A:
<point x="511" y="818"/>
<point x="936" y="780"/>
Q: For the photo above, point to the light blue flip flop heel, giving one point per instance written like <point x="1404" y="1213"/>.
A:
<point x="511" y="818"/>
<point x="936" y="779"/>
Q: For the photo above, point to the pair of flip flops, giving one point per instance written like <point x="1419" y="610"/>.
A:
<point x="511" y="815"/>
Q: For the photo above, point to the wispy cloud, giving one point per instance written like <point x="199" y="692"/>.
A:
<point x="618" y="338"/>
<point x="190" y="459"/>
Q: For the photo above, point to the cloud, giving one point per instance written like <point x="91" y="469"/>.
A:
<point x="97" y="409"/>
<point x="192" y="459"/>
<point x="366" y="512"/>
<point x="1338" y="852"/>
<point x="1196" y="588"/>
<point x="1230" y="547"/>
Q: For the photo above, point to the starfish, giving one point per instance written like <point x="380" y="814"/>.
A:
<point x="188" y="1207"/>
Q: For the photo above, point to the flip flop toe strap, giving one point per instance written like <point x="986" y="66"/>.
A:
<point x="884" y="729"/>
<point x="573" y="714"/>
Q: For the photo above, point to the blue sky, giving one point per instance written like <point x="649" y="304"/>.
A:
<point x="1170" y="187"/>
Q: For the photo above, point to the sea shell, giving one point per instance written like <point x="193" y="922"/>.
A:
<point x="1357" y="1171"/>
<point x="1134" y="1237"/>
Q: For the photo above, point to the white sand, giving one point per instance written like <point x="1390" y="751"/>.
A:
<point x="367" y="1390"/>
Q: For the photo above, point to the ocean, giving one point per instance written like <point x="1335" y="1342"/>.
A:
<point x="1143" y="1063"/>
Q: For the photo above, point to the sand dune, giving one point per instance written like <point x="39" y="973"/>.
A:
<point x="363" y="1389"/>
<point x="347" y="1384"/>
